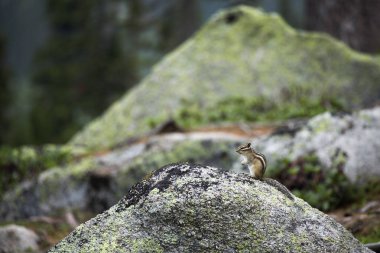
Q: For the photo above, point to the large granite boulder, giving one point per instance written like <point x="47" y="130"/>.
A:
<point x="194" y="208"/>
<point x="242" y="54"/>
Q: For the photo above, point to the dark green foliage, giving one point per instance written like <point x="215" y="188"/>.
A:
<point x="4" y="91"/>
<point x="81" y="70"/>
<point x="154" y="28"/>
<point x="237" y="109"/>
<point x="324" y="189"/>
<point x="18" y="164"/>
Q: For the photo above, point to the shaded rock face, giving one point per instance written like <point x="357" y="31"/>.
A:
<point x="17" y="239"/>
<point x="353" y="139"/>
<point x="193" y="208"/>
<point x="97" y="183"/>
<point x="240" y="53"/>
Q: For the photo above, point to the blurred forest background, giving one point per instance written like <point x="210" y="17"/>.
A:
<point x="63" y="62"/>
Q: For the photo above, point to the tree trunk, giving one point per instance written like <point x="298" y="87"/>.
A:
<point x="356" y="22"/>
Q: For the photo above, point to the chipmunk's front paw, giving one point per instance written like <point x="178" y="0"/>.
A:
<point x="243" y="160"/>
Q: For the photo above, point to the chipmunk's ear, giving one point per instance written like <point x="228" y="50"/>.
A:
<point x="244" y="147"/>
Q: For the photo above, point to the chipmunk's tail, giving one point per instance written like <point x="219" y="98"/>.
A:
<point x="279" y="187"/>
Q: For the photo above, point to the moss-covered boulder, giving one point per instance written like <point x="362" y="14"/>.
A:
<point x="248" y="57"/>
<point x="187" y="208"/>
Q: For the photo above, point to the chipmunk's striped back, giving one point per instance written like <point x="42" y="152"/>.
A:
<point x="261" y="158"/>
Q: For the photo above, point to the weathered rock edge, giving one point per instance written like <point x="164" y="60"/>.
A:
<point x="194" y="208"/>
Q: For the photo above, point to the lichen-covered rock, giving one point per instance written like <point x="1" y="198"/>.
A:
<point x="188" y="208"/>
<point x="18" y="239"/>
<point x="353" y="139"/>
<point x="96" y="183"/>
<point x="240" y="53"/>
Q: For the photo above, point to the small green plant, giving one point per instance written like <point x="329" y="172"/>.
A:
<point x="323" y="188"/>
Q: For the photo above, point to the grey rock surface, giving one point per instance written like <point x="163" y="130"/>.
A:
<point x="354" y="138"/>
<point x="18" y="239"/>
<point x="193" y="208"/>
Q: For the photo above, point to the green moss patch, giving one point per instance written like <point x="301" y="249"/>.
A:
<point x="240" y="109"/>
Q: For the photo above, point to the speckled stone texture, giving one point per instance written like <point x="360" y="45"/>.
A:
<point x="193" y="208"/>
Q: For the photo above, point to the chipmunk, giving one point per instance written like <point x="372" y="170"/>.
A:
<point x="257" y="165"/>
